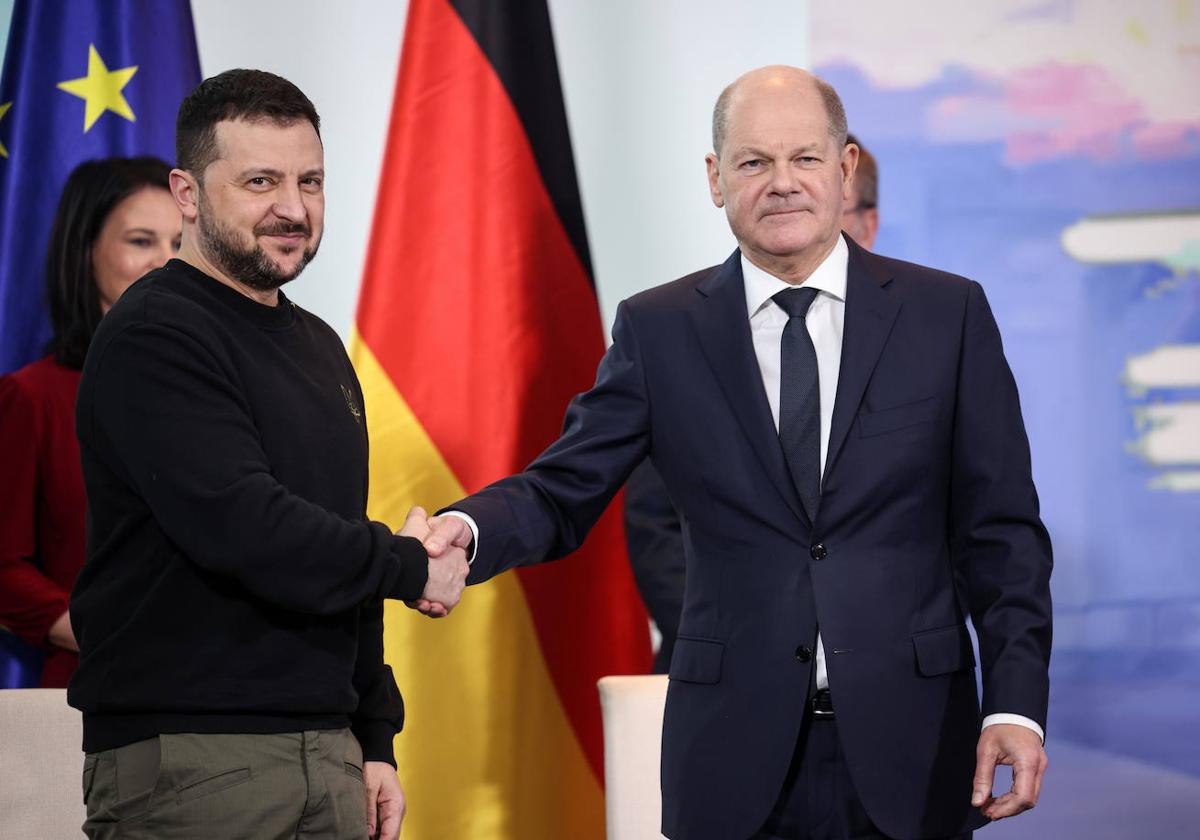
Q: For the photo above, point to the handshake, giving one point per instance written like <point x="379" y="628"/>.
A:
<point x="446" y="539"/>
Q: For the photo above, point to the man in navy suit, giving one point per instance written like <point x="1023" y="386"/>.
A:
<point x="653" y="533"/>
<point x="842" y="437"/>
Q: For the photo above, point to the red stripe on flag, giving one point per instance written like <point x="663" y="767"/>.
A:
<point x="480" y="311"/>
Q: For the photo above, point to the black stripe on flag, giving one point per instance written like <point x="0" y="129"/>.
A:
<point x="515" y="36"/>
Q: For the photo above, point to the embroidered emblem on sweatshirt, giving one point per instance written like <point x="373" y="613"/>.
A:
<point x="352" y="404"/>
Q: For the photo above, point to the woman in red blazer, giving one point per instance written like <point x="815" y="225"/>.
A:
<point x="116" y="221"/>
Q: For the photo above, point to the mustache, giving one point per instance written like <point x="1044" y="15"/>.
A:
<point x="283" y="229"/>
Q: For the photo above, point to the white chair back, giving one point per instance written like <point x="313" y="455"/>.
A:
<point x="41" y="764"/>
<point x="633" y="716"/>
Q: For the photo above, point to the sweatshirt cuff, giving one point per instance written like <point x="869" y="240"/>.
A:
<point x="414" y="568"/>
<point x="375" y="738"/>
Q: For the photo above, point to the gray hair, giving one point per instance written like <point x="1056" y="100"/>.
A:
<point x="829" y="97"/>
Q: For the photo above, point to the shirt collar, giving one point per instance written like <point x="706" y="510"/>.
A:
<point x="829" y="277"/>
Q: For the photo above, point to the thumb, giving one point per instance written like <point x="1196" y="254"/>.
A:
<point x="985" y="772"/>
<point x="372" y="790"/>
<point x="443" y="532"/>
<point x="417" y="516"/>
<point x="464" y="536"/>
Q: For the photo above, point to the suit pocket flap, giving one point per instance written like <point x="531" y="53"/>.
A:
<point x="697" y="660"/>
<point x="902" y="416"/>
<point x="944" y="650"/>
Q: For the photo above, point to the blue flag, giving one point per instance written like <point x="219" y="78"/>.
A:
<point x="82" y="79"/>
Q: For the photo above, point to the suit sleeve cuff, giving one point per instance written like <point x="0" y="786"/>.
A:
<point x="1019" y="720"/>
<point x="474" y="531"/>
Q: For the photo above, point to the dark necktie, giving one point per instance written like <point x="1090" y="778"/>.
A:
<point x="800" y="399"/>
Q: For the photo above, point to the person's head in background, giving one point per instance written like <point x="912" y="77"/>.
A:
<point x="860" y="213"/>
<point x="115" y="222"/>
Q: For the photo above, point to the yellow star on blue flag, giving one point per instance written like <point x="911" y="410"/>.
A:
<point x="101" y="90"/>
<point x="4" y="106"/>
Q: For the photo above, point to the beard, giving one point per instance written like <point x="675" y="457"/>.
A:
<point x="250" y="265"/>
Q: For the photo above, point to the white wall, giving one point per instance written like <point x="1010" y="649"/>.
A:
<point x="639" y="78"/>
<point x="344" y="56"/>
<point x="6" y="10"/>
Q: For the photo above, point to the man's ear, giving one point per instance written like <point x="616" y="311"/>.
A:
<point x="849" y="164"/>
<point x="185" y="189"/>
<point x="714" y="179"/>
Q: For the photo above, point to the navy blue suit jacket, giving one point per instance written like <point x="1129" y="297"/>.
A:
<point x="928" y="513"/>
<point x="655" y="541"/>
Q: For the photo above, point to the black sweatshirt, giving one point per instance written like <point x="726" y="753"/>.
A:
<point x="233" y="582"/>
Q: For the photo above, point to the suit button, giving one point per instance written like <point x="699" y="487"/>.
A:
<point x="803" y="653"/>
<point x="818" y="552"/>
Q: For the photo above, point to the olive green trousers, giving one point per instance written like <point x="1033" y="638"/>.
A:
<point x="258" y="787"/>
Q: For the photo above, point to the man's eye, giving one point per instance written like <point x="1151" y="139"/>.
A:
<point x="259" y="182"/>
<point x="753" y="164"/>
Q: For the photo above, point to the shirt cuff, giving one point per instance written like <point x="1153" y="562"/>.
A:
<point x="1019" y="720"/>
<point x="474" y="531"/>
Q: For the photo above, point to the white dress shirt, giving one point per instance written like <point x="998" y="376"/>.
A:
<point x="825" y="319"/>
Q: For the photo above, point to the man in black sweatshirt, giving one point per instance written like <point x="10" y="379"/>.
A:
<point x="230" y="611"/>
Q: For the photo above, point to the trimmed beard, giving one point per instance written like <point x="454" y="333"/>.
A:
<point x="249" y="266"/>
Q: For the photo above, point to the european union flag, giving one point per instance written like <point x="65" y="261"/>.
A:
<point x="82" y="79"/>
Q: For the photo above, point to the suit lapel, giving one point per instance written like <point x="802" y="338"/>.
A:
<point x="719" y="315"/>
<point x="870" y="313"/>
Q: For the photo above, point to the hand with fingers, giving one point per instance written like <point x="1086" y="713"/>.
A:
<point x="446" y="545"/>
<point x="385" y="800"/>
<point x="1020" y="748"/>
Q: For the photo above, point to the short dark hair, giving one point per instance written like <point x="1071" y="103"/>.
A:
<point x="235" y="95"/>
<point x="92" y="190"/>
<point x="866" y="177"/>
<point x="829" y="97"/>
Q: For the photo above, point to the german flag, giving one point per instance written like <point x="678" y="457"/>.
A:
<point x="477" y="323"/>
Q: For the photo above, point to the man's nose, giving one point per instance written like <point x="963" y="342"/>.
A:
<point x="289" y="203"/>
<point x="783" y="179"/>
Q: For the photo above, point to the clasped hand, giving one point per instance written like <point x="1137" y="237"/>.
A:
<point x="446" y="539"/>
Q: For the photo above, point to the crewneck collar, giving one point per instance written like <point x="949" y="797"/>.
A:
<point x="278" y="317"/>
